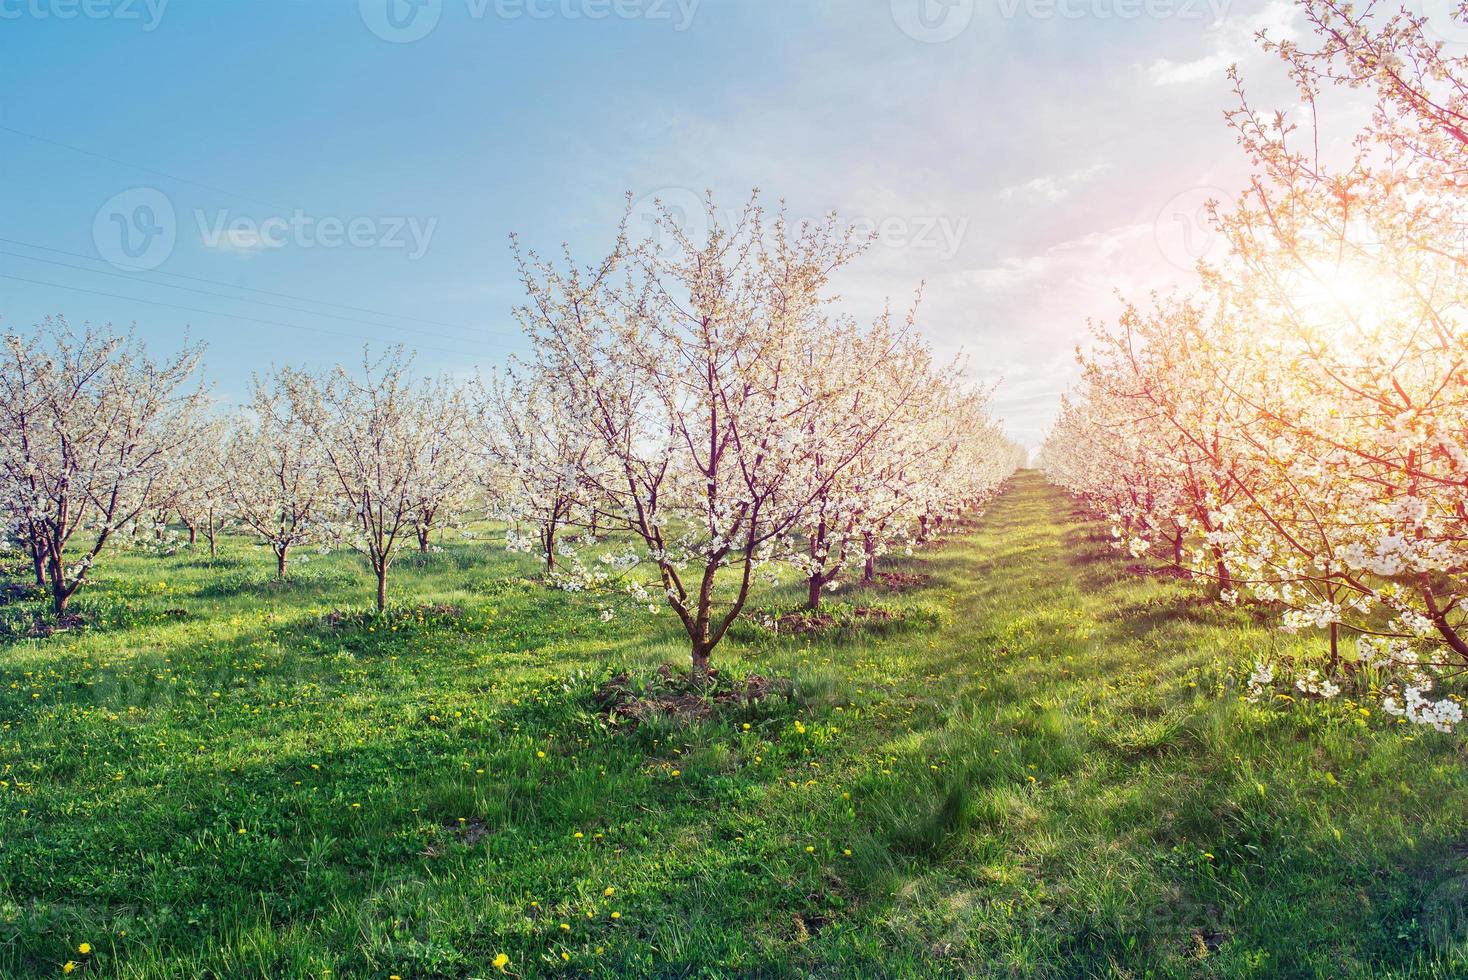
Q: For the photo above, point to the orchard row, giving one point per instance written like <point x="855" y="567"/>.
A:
<point x="1296" y="431"/>
<point x="690" y="416"/>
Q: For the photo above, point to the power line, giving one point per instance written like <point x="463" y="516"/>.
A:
<point x="206" y="292"/>
<point x="137" y="166"/>
<point x="232" y="316"/>
<point x="214" y="282"/>
<point x="230" y="285"/>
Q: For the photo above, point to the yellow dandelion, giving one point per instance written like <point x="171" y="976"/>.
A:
<point x="500" y="962"/>
<point x="609" y="891"/>
<point x="85" y="949"/>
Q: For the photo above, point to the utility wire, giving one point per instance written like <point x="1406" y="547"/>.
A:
<point x="232" y="316"/>
<point x="137" y="166"/>
<point x="230" y="285"/>
<point x="206" y="292"/>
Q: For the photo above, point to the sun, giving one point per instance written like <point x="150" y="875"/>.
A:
<point x="1347" y="294"/>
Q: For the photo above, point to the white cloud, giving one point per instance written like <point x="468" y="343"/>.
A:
<point x="1053" y="187"/>
<point x="240" y="241"/>
<point x="1032" y="309"/>
<point x="1165" y="72"/>
<point x="1081" y="254"/>
<point x="1233" y="40"/>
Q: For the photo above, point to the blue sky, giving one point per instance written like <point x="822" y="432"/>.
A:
<point x="1045" y="154"/>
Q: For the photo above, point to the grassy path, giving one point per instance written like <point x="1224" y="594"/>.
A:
<point x="1042" y="769"/>
<point x="1170" y="827"/>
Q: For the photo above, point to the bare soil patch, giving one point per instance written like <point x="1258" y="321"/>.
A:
<point x="902" y="580"/>
<point x="1160" y="571"/>
<point x="623" y="700"/>
<point x="801" y="622"/>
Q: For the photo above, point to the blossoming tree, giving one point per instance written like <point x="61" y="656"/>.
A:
<point x="385" y="440"/>
<point x="92" y="433"/>
<point x="1332" y="367"/>
<point x="718" y="398"/>
<point x="278" y="486"/>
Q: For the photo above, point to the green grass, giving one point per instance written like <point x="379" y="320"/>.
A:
<point x="1044" y="769"/>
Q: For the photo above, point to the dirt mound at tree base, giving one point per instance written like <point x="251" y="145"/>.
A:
<point x="795" y="623"/>
<point x="673" y="694"/>
<point x="902" y="580"/>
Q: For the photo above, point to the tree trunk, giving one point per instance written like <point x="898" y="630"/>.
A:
<point x="700" y="664"/>
<point x="1177" y="548"/>
<point x="1225" y="580"/>
<point x="814" y="585"/>
<point x="1439" y="618"/>
<point x="60" y="594"/>
<point x="56" y="580"/>
<point x="869" y="568"/>
<point x="381" y="589"/>
<point x="424" y="531"/>
<point x="548" y="539"/>
<point x="280" y="562"/>
<point x="38" y="562"/>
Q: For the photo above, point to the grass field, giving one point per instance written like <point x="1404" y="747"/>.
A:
<point x="1043" y="768"/>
